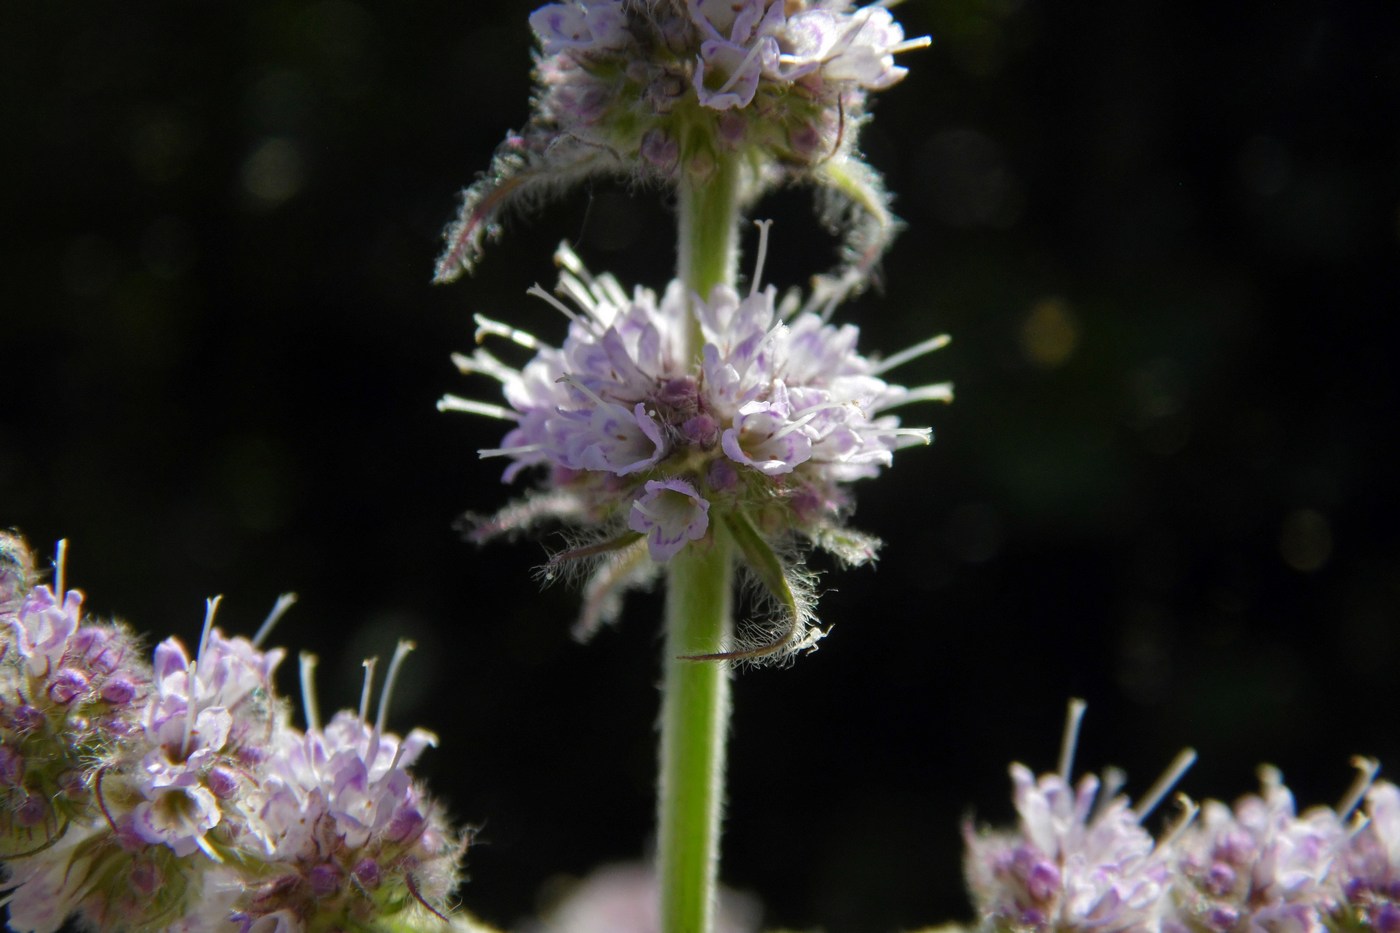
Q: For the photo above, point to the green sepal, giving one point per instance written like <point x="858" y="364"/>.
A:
<point x="769" y="570"/>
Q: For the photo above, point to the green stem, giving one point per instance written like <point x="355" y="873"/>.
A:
<point x="694" y="723"/>
<point x="707" y="251"/>
<point x="699" y="600"/>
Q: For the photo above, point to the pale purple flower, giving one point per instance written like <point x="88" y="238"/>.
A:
<point x="669" y="513"/>
<point x="43" y="626"/>
<point x="766" y="438"/>
<point x="341" y="828"/>
<point x="778" y="86"/>
<point x="664" y="415"/>
<point x="1258" y="866"/>
<point x="739" y="41"/>
<point x="178" y="811"/>
<point x="1079" y="858"/>
<point x="175" y="796"/>
<point x="1368" y="869"/>
<point x="68" y="692"/>
<point x="581" y="26"/>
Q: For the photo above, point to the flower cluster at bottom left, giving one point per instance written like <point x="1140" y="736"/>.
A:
<point x="175" y="794"/>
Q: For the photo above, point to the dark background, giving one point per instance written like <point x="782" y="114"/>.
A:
<point x="1164" y="237"/>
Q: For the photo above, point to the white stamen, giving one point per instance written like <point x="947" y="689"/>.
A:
<point x="471" y="407"/>
<point x="210" y="607"/>
<point x="566" y="258"/>
<point x="569" y="380"/>
<point x="486" y="452"/>
<point x="191" y="706"/>
<point x="739" y="72"/>
<point x="762" y="226"/>
<point x="793" y="425"/>
<point x="1367" y="769"/>
<point x="60" y="560"/>
<point x="912" y="437"/>
<point x="483" y="363"/>
<point x="486" y="327"/>
<point x="581" y="295"/>
<point x="1073" y="717"/>
<point x="914" y="352"/>
<point x="308" y="692"/>
<point x="400" y="652"/>
<point x="279" y="609"/>
<point x="611" y="289"/>
<point x="1178" y="827"/>
<point x="909" y="45"/>
<point x="558" y="305"/>
<point x="789" y="304"/>
<point x="1184" y="759"/>
<point x="369" y="664"/>
<point x="1110" y="784"/>
<point x="938" y="392"/>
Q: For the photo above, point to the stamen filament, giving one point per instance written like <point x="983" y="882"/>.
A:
<point x="909" y="45"/>
<point x="60" y="560"/>
<point x="938" y="392"/>
<point x="581" y="294"/>
<point x="485" y="327"/>
<point x="210" y="607"/>
<point x="1074" y="715"/>
<point x="483" y="363"/>
<point x="509" y="451"/>
<point x="471" y="407"/>
<point x="912" y="437"/>
<point x="1178" y="827"/>
<point x="1367" y="769"/>
<point x="737" y="73"/>
<point x="308" y="691"/>
<point x="369" y="665"/>
<point x="1111" y="782"/>
<point x="1184" y="759"/>
<point x="279" y="609"/>
<point x="400" y="652"/>
<point x="555" y="302"/>
<point x="191" y="708"/>
<point x="912" y="353"/>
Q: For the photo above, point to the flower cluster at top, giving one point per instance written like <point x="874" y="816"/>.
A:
<point x="174" y="794"/>
<point x="659" y="418"/>
<point x="1080" y="860"/>
<point x="651" y="89"/>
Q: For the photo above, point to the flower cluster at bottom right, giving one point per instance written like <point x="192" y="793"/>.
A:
<point x="1079" y="859"/>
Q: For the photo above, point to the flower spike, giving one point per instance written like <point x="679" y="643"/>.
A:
<point x="644" y="436"/>
<point x="658" y="91"/>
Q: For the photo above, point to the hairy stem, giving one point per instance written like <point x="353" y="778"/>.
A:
<point x="699" y="598"/>
<point x="707" y="247"/>
<point x="694" y="726"/>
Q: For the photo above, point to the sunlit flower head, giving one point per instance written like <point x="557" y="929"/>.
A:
<point x="1079" y="858"/>
<point x="1258" y="865"/>
<point x="660" y="417"/>
<point x="170" y="793"/>
<point x="653" y="90"/>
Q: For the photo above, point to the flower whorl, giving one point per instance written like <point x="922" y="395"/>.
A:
<point x="176" y="795"/>
<point x="651" y="441"/>
<point x="650" y="90"/>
